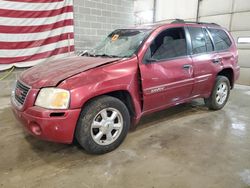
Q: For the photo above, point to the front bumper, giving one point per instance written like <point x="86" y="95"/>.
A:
<point x="51" y="125"/>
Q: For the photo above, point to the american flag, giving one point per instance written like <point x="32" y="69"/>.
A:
<point x="34" y="31"/>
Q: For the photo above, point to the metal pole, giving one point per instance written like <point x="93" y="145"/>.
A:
<point x="154" y="11"/>
<point x="198" y="10"/>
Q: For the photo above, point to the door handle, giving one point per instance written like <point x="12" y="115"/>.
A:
<point x="216" y="61"/>
<point x="187" y="66"/>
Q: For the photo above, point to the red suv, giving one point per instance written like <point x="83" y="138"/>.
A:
<point x="96" y="96"/>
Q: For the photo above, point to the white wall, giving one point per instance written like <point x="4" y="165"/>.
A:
<point x="143" y="5"/>
<point x="144" y="10"/>
<point x="171" y="9"/>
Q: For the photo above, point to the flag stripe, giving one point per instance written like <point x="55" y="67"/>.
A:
<point x="34" y="22"/>
<point x="35" y="36"/>
<point x="34" y="62"/>
<point x="36" y="1"/>
<point x="10" y="60"/>
<point x="35" y="50"/>
<point x="26" y="6"/>
<point x="35" y="29"/>
<point x="35" y="43"/>
<point x="34" y="14"/>
<point x="32" y="31"/>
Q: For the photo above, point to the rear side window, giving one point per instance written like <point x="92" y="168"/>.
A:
<point x="201" y="42"/>
<point x="221" y="39"/>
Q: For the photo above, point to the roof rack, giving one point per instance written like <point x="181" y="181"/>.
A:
<point x="183" y="21"/>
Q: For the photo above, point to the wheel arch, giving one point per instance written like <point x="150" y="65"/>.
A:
<point x="126" y="98"/>
<point x="228" y="72"/>
<point x="122" y="95"/>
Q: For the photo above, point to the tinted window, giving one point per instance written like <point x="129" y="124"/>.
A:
<point x="201" y="42"/>
<point x="169" y="44"/>
<point x="221" y="39"/>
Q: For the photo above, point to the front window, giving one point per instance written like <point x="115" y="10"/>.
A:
<point x="171" y="43"/>
<point x="120" y="43"/>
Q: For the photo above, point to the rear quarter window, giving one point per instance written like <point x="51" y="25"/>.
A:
<point x="221" y="39"/>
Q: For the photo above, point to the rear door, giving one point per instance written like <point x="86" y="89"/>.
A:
<point x="166" y="70"/>
<point x="205" y="60"/>
<point x="223" y="44"/>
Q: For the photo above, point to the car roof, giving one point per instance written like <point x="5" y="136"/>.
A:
<point x="175" y="24"/>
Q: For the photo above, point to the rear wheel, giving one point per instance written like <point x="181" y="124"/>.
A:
<point x="219" y="95"/>
<point x="103" y="125"/>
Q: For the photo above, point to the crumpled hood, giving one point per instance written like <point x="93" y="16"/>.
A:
<point x="51" y="73"/>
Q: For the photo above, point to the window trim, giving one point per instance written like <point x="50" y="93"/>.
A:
<point x="172" y="58"/>
<point x="215" y="49"/>
<point x="210" y="37"/>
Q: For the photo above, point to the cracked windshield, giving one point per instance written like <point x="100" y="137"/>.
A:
<point x="120" y="43"/>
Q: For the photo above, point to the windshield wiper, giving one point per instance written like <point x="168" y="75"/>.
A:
<point x="100" y="55"/>
<point x="106" y="55"/>
<point x="88" y="54"/>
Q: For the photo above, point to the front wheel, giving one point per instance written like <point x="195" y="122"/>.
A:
<point x="103" y="125"/>
<point x="219" y="95"/>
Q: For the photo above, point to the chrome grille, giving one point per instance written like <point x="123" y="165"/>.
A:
<point x="21" y="92"/>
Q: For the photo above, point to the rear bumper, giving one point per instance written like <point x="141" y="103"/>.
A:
<point x="51" y="125"/>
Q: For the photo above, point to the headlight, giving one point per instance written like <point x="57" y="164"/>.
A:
<point x="53" y="98"/>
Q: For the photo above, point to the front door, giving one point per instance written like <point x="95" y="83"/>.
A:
<point x="166" y="70"/>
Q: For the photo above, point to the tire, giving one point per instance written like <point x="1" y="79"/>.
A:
<point x="103" y="125"/>
<point x="218" y="99"/>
